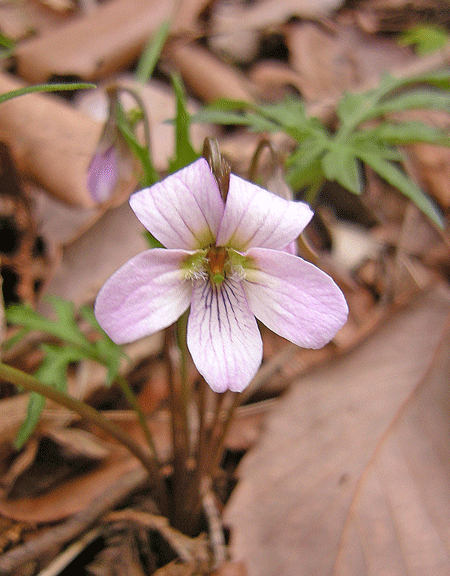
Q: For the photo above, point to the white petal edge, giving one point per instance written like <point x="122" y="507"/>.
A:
<point x="223" y="336"/>
<point x="294" y="298"/>
<point x="184" y="210"/>
<point x="255" y="217"/>
<point x="145" y="295"/>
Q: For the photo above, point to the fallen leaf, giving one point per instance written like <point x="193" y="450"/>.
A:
<point x="207" y="76"/>
<point x="71" y="496"/>
<point x="113" y="36"/>
<point x="292" y="508"/>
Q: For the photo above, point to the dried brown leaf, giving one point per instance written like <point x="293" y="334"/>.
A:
<point x="291" y="508"/>
<point x="206" y="75"/>
<point x="51" y="141"/>
<point x="113" y="36"/>
<point x="70" y="496"/>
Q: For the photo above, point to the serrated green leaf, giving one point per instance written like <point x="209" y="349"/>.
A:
<point x="406" y="133"/>
<point x="382" y="149"/>
<point x="35" y="406"/>
<point x="288" y="112"/>
<point x="11" y="342"/>
<point x="399" y="180"/>
<point x="52" y="372"/>
<point x="104" y="350"/>
<point x="354" y="106"/>
<point x="340" y="164"/>
<point x="414" y="100"/>
<point x="66" y="329"/>
<point x="305" y="163"/>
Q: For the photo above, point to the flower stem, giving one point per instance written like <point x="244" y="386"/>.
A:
<point x="179" y="478"/>
<point x="29" y="383"/>
<point x="219" y="435"/>
<point x="181" y="329"/>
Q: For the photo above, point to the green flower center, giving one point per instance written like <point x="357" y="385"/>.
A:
<point x="216" y="263"/>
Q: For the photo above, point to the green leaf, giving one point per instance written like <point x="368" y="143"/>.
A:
<point x="355" y="106"/>
<point x="44" y="88"/>
<point x="414" y="100"/>
<point x="104" y="350"/>
<point x="406" y="133"/>
<point x="212" y="115"/>
<point x="305" y="163"/>
<point x="64" y="327"/>
<point x="340" y="164"/>
<point x="35" y="406"/>
<point x="184" y="151"/>
<point x="425" y="38"/>
<point x="52" y="372"/>
<point x="399" y="180"/>
<point x="152" y="52"/>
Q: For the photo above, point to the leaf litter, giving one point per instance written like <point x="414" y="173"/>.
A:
<point x="351" y="464"/>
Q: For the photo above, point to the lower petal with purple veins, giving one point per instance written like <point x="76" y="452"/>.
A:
<point x="223" y="336"/>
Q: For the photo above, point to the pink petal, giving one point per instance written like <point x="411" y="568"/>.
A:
<point x="255" y="217"/>
<point x="183" y="210"/>
<point x="294" y="298"/>
<point x="103" y="174"/>
<point x="146" y="295"/>
<point x="223" y="336"/>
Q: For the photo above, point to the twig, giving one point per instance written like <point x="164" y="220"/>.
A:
<point x="216" y="536"/>
<point x="187" y="548"/>
<point x="70" y="553"/>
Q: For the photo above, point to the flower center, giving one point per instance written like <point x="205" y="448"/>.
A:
<point x="217" y="258"/>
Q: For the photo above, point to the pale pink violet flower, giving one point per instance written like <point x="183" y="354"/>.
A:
<point x="229" y="264"/>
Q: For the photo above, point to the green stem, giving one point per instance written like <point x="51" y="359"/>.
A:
<point x="129" y="395"/>
<point x="23" y="380"/>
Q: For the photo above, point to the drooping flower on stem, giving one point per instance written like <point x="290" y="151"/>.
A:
<point x="228" y="263"/>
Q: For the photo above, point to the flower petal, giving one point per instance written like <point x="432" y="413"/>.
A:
<point x="223" y="336"/>
<point x="294" y="298"/>
<point x="255" y="217"/>
<point x="183" y="210"/>
<point x="146" y="295"/>
<point x="103" y="174"/>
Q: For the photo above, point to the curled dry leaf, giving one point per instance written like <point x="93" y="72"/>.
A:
<point x="370" y="429"/>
